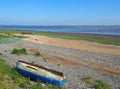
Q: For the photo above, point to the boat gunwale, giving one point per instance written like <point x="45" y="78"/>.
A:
<point x="47" y="69"/>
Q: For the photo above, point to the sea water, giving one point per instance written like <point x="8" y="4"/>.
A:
<point x="93" y="30"/>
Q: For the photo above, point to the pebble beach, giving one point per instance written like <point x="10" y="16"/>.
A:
<point x="76" y="64"/>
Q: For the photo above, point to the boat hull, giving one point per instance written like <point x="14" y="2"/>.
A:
<point x="37" y="76"/>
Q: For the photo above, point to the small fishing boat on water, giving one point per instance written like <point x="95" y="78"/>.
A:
<point x="42" y="73"/>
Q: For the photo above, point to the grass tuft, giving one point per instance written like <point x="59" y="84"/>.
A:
<point x="37" y="54"/>
<point x="101" y="85"/>
<point x="89" y="79"/>
<point x="1" y="54"/>
<point x="33" y="62"/>
<point x="98" y="84"/>
<point x="58" y="64"/>
<point x="19" y="51"/>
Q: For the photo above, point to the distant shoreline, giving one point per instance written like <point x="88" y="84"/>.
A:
<point x="99" y="38"/>
<point x="94" y="29"/>
<point x="59" y="25"/>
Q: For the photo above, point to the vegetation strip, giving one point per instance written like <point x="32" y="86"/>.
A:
<point x="97" y="84"/>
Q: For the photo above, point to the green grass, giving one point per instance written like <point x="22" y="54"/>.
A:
<point x="101" y="85"/>
<point x="69" y="36"/>
<point x="33" y="62"/>
<point x="5" y="51"/>
<point x="1" y="53"/>
<point x="58" y="64"/>
<point x="11" y="79"/>
<point x="19" y="51"/>
<point x="6" y="37"/>
<point x="37" y="54"/>
<point x="8" y="34"/>
<point x="20" y="36"/>
<point x="10" y="31"/>
<point x="96" y="84"/>
<point x="3" y="36"/>
<point x="89" y="79"/>
<point x="108" y="75"/>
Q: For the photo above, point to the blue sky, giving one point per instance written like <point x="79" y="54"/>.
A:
<point x="60" y="12"/>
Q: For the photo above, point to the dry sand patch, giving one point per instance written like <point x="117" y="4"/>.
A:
<point x="75" y="44"/>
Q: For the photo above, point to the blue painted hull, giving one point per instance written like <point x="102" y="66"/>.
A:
<point x="40" y="77"/>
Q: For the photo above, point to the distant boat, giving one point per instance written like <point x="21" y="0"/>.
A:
<point x="26" y="32"/>
<point x="42" y="73"/>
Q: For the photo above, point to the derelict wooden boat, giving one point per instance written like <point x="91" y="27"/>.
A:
<point x="39" y="72"/>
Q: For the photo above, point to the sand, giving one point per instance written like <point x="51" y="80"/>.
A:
<point x="75" y="44"/>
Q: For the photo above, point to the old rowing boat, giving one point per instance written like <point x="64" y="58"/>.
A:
<point x="40" y="72"/>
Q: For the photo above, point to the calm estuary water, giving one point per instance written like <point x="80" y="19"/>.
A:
<point x="92" y="30"/>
